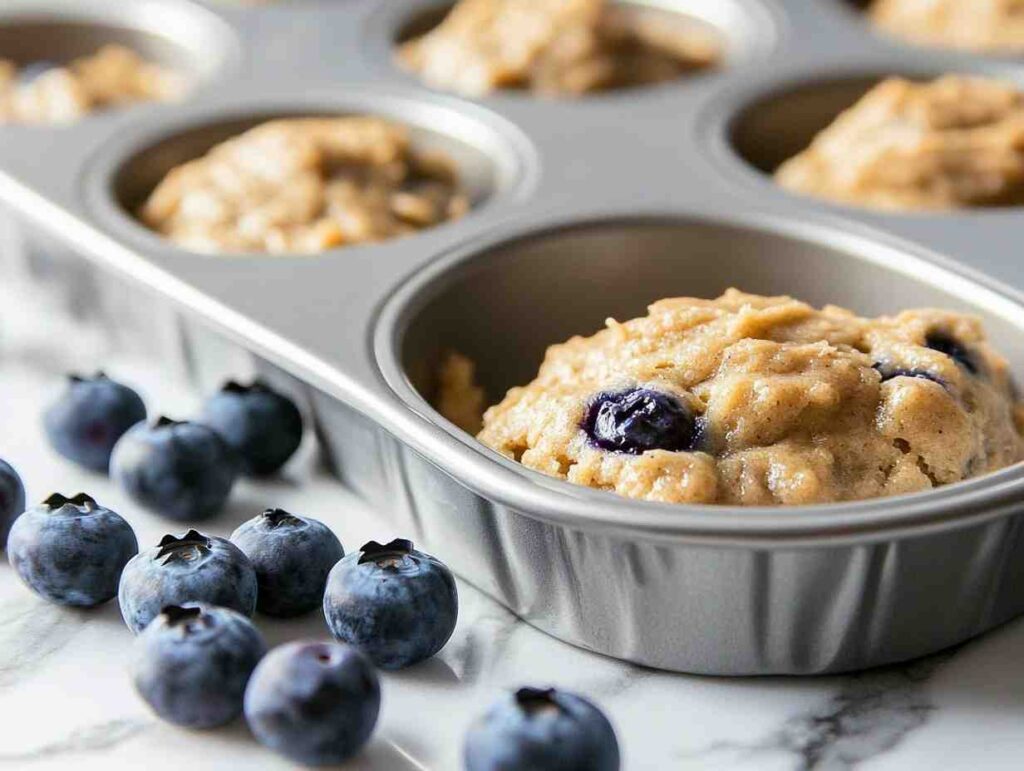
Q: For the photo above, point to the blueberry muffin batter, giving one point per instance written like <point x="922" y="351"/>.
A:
<point x="754" y="400"/>
<point x="304" y="185"/>
<point x="955" y="142"/>
<point x="995" y="26"/>
<point x="558" y="47"/>
<point x="115" y="76"/>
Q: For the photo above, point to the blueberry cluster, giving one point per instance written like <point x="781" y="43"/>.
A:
<point x="184" y="471"/>
<point x="199" y="660"/>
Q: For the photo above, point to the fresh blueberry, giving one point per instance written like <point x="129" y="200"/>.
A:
<point x="182" y="471"/>
<point x="188" y="568"/>
<point x="315" y="703"/>
<point x="953" y="348"/>
<point x="292" y="556"/>
<point x="396" y="604"/>
<point x="85" y="423"/>
<point x="12" y="499"/>
<point x="193" y="662"/>
<point x="542" y="730"/>
<point x="261" y="425"/>
<point x="889" y="372"/>
<point x="640" y="419"/>
<point x="71" y="550"/>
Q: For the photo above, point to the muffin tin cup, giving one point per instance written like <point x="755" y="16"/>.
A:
<point x="584" y="209"/>
<point x="180" y="35"/>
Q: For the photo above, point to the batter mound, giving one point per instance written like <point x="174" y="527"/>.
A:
<point x="557" y="47"/>
<point x="955" y="142"/>
<point x="995" y="26"/>
<point x="113" y="77"/>
<point x="304" y="185"/>
<point x="754" y="400"/>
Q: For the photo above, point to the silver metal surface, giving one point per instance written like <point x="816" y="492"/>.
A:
<point x="583" y="209"/>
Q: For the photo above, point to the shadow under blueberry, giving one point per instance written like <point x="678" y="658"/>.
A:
<point x="433" y="671"/>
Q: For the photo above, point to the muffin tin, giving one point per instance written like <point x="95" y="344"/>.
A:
<point x="583" y="209"/>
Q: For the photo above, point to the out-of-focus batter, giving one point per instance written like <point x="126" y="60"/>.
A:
<point x="994" y="26"/>
<point x="115" y="76"/>
<point x="305" y="185"/>
<point x="558" y="47"/>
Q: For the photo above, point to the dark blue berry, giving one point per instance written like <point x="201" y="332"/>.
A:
<point x="263" y="426"/>
<point x="85" y="423"/>
<point x="315" y="703"/>
<point x="12" y="499"/>
<point x="71" y="551"/>
<point x="397" y="605"/>
<point x="954" y="349"/>
<point x="182" y="471"/>
<point x="182" y="569"/>
<point x="292" y="556"/>
<point x="192" y="664"/>
<point x="542" y="730"/>
<point x="889" y="372"/>
<point x="640" y="419"/>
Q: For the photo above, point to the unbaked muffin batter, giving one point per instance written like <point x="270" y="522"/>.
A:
<point x="756" y="400"/>
<point x="995" y="26"/>
<point x="557" y="47"/>
<point x="304" y="185"/>
<point x="115" y="76"/>
<point x="950" y="143"/>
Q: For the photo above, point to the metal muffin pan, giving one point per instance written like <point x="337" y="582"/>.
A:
<point x="584" y="209"/>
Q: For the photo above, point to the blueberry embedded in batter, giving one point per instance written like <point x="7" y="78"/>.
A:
<point x="639" y="419"/>
<point x="751" y="400"/>
<point x="953" y="348"/>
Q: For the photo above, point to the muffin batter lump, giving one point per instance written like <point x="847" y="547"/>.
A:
<point x="955" y="142"/>
<point x="305" y="185"/>
<point x="752" y="400"/>
<point x="995" y="26"/>
<point x="558" y="47"/>
<point x="113" y="77"/>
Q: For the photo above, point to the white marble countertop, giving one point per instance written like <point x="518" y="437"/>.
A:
<point x="66" y="700"/>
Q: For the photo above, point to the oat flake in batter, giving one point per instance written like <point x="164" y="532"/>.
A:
<point x="765" y="400"/>
<point x="949" y="143"/>
<point x="304" y="185"/>
<point x="557" y="47"/>
<point x="113" y="77"/>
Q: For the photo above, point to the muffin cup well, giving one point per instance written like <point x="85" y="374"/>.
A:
<point x="708" y="589"/>
<point x="747" y="31"/>
<point x="494" y="161"/>
<point x="179" y="35"/>
<point x="771" y="127"/>
<point x="141" y="172"/>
